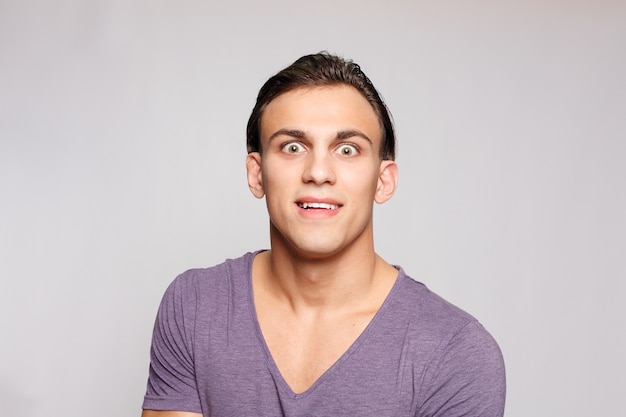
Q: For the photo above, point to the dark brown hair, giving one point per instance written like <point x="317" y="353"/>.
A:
<point x="317" y="70"/>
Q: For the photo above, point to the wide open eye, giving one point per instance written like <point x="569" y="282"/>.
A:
<point x="293" y="147"/>
<point x="347" y="150"/>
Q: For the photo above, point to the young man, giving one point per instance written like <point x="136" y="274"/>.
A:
<point x="319" y="325"/>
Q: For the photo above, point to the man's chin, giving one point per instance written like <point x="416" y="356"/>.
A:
<point x="316" y="251"/>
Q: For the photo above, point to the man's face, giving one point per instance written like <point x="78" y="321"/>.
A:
<point x="320" y="170"/>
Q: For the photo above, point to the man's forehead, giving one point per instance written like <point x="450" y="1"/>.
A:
<point x="312" y="89"/>
<point x="343" y="100"/>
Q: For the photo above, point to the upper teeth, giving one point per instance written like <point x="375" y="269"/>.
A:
<point x="319" y="205"/>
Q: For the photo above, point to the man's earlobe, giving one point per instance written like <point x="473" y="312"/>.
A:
<point x="255" y="177"/>
<point x="387" y="181"/>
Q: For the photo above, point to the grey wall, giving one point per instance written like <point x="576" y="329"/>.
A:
<point x="121" y="165"/>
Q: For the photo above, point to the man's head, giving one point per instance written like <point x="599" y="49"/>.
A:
<point x="321" y="70"/>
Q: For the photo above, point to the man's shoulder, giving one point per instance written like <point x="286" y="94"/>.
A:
<point x="442" y="328"/>
<point x="235" y="267"/>
<point x="201" y="283"/>
<point x="427" y="311"/>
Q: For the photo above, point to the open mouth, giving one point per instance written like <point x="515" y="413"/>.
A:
<point x="324" y="206"/>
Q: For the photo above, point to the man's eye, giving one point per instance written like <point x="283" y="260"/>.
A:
<point x="293" y="147"/>
<point x="347" y="150"/>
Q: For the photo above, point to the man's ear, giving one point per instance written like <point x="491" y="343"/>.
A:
<point x="255" y="177"/>
<point x="387" y="181"/>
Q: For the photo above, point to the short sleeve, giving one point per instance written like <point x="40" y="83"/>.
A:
<point x="468" y="378"/>
<point x="172" y="380"/>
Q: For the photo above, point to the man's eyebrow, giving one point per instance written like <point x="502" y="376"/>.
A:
<point x="299" y="134"/>
<point x="294" y="133"/>
<point x="345" y="134"/>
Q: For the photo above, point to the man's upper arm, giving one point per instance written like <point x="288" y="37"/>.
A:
<point x="153" y="413"/>
<point x="470" y="377"/>
<point x="171" y="378"/>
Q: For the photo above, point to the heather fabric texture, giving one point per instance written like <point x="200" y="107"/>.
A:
<point x="419" y="356"/>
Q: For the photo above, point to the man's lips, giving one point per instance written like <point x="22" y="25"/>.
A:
<point x="315" y="205"/>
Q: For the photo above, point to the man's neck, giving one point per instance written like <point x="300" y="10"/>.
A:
<point x="353" y="278"/>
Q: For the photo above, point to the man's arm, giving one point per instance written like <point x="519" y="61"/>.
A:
<point x="469" y="379"/>
<point x="153" y="413"/>
<point x="171" y="377"/>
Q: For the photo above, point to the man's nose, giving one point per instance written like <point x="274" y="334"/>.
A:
<point x="319" y="168"/>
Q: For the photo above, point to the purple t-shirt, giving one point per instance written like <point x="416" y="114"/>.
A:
<point x="419" y="356"/>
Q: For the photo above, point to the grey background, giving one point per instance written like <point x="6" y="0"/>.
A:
<point x="122" y="164"/>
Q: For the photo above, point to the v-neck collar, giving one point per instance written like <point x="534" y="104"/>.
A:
<point x="273" y="368"/>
